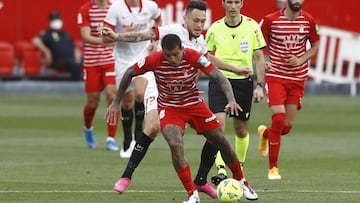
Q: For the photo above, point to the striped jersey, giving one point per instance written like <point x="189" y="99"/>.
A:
<point x="176" y="85"/>
<point x="93" y="16"/>
<point x="288" y="37"/>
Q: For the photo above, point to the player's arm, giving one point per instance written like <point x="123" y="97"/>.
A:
<point x="109" y="35"/>
<point x="113" y="112"/>
<point x="217" y="76"/>
<point x="259" y="59"/>
<point x="228" y="67"/>
<point x="88" y="38"/>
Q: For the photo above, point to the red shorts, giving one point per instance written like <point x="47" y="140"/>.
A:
<point x="199" y="117"/>
<point x="96" y="78"/>
<point x="282" y="91"/>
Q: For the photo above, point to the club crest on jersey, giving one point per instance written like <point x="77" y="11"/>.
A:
<point x="244" y="46"/>
<point x="141" y="63"/>
<point x="203" y="61"/>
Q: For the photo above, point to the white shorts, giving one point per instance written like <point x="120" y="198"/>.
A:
<point x="151" y="92"/>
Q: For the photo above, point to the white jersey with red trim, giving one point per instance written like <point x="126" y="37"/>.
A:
<point x="187" y="40"/>
<point x="93" y="16"/>
<point x="121" y="16"/>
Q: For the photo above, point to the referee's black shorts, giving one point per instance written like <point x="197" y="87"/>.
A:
<point x="243" y="91"/>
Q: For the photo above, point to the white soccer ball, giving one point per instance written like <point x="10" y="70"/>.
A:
<point x="229" y="190"/>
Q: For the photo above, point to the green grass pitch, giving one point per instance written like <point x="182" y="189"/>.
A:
<point x="44" y="158"/>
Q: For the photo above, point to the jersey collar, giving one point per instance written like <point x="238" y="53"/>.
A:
<point x="129" y="7"/>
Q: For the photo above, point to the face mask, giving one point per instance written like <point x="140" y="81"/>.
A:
<point x="56" y="24"/>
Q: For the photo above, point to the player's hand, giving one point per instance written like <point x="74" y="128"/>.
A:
<point x="258" y="94"/>
<point x="293" y="61"/>
<point x="245" y="71"/>
<point x="108" y="33"/>
<point x="233" y="108"/>
<point x="154" y="45"/>
<point x="113" y="113"/>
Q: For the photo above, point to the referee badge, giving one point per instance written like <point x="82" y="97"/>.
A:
<point x="244" y="46"/>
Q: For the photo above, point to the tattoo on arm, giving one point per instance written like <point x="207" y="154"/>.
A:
<point x="224" y="83"/>
<point x="136" y="36"/>
<point x="124" y="84"/>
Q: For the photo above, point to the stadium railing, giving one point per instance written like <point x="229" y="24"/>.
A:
<point x="338" y="59"/>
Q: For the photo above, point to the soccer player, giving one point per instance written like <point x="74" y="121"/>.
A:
<point x="235" y="39"/>
<point x="191" y="37"/>
<point x="98" y="66"/>
<point x="179" y="102"/>
<point x="132" y="15"/>
<point x="287" y="32"/>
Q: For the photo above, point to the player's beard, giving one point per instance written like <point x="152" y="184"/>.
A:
<point x="295" y="7"/>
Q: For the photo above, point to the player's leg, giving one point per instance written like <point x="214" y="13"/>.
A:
<point x="92" y="89"/>
<point x="151" y="129"/>
<point x="127" y="121"/>
<point x="217" y="138"/>
<point x="110" y="92"/>
<point x="140" y="84"/>
<point x="109" y="82"/>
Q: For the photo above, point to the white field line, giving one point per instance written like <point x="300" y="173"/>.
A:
<point x="169" y="191"/>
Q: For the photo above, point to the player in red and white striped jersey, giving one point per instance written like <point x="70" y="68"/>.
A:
<point x="98" y="67"/>
<point x="287" y="32"/>
<point x="175" y="69"/>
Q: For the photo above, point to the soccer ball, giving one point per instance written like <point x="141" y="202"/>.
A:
<point x="229" y="190"/>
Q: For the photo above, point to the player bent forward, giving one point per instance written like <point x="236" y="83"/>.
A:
<point x="175" y="69"/>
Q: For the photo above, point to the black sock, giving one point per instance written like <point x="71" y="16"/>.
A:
<point x="141" y="146"/>
<point x="139" y="118"/>
<point x="127" y="124"/>
<point x="208" y="156"/>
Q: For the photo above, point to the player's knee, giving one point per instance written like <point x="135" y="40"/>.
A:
<point x="152" y="130"/>
<point x="286" y="130"/>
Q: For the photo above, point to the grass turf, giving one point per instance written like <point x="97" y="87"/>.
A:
<point x="44" y="158"/>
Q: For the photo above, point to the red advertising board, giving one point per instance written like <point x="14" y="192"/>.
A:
<point x="22" y="19"/>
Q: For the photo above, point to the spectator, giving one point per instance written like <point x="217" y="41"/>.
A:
<point x="58" y="47"/>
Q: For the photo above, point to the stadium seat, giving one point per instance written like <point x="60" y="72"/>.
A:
<point x="29" y="58"/>
<point x="7" y="59"/>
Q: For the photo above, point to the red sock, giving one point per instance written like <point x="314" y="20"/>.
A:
<point x="266" y="132"/>
<point x="236" y="170"/>
<point x="112" y="130"/>
<point x="185" y="176"/>
<point x="286" y="130"/>
<point x="88" y="116"/>
<point x="274" y="135"/>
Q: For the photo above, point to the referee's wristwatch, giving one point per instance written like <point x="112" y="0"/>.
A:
<point x="261" y="84"/>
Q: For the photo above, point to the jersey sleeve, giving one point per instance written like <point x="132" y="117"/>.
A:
<point x="200" y="61"/>
<point x="111" y="15"/>
<point x="156" y="12"/>
<point x="209" y="38"/>
<point x="259" y="41"/>
<point x="83" y="17"/>
<point x="145" y="64"/>
<point x="314" y="31"/>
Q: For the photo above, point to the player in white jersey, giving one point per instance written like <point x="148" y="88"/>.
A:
<point x="191" y="36"/>
<point x="123" y="16"/>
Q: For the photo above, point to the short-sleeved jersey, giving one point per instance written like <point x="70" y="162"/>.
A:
<point x="187" y="40"/>
<point x="288" y="37"/>
<point x="235" y="44"/>
<point x="176" y="85"/>
<point x="120" y="16"/>
<point x="92" y="16"/>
